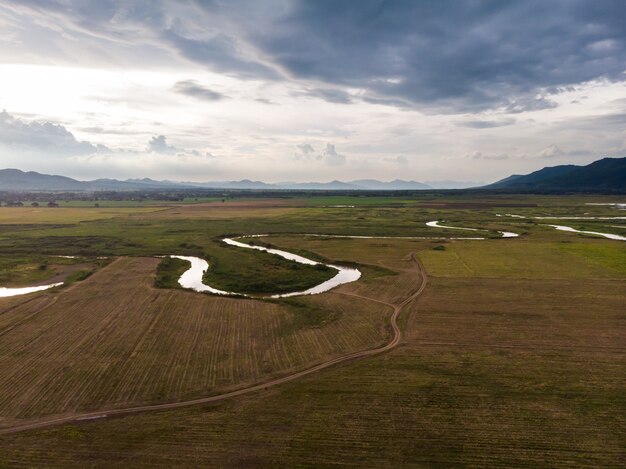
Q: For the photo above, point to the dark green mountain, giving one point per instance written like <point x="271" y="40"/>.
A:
<point x="605" y="175"/>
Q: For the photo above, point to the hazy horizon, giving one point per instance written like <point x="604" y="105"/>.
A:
<point x="310" y="91"/>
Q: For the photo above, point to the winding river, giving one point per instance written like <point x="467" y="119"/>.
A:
<point x="605" y="235"/>
<point x="565" y="217"/>
<point x="192" y="278"/>
<point x="573" y="230"/>
<point x="435" y="224"/>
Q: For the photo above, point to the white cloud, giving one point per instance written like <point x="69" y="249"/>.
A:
<point x="477" y="155"/>
<point x="330" y="156"/>
<point x="159" y="144"/>
<point x="306" y="148"/>
<point x="551" y="151"/>
<point x="304" y="151"/>
<point x="43" y="136"/>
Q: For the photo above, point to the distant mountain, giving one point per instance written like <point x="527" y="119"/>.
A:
<point x="16" y="180"/>
<point x="534" y="178"/>
<point x="397" y="184"/>
<point x="328" y="186"/>
<point x="243" y="184"/>
<point x="150" y="183"/>
<point x="607" y="174"/>
<point x="111" y="185"/>
<point x="504" y="182"/>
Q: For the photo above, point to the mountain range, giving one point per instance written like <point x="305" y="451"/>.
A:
<point x="607" y="174"/>
<point x="16" y="180"/>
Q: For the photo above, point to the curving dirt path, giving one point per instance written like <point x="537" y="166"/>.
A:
<point x="397" y="336"/>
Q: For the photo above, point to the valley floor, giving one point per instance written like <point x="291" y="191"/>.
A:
<point x="512" y="356"/>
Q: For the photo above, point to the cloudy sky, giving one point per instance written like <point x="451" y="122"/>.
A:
<point x="285" y="90"/>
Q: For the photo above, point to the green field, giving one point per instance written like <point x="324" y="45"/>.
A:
<point x="513" y="356"/>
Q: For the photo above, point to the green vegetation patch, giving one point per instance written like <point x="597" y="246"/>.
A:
<point x="246" y="271"/>
<point x="23" y="271"/>
<point x="65" y="245"/>
<point x="609" y="255"/>
<point x="169" y="271"/>
<point x="528" y="259"/>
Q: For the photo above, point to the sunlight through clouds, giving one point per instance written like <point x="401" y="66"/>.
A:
<point x="248" y="82"/>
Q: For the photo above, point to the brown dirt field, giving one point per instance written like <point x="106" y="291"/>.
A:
<point x="556" y="314"/>
<point x="492" y="373"/>
<point x="114" y="341"/>
<point x="12" y="301"/>
<point x="15" y="310"/>
<point x="390" y="288"/>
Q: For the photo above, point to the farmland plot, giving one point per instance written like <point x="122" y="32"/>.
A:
<point x="15" y="310"/>
<point x="114" y="341"/>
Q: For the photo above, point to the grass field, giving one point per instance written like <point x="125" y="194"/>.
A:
<point x="63" y="215"/>
<point x="41" y="269"/>
<point x="512" y="357"/>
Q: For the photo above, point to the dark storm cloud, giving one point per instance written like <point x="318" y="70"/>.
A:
<point x="523" y="104"/>
<point x="220" y="53"/>
<point x="49" y="137"/>
<point x="194" y="32"/>
<point x="387" y="101"/>
<point x="194" y="89"/>
<point x="448" y="55"/>
<point x="452" y="54"/>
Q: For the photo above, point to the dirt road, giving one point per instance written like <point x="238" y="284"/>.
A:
<point x="395" y="340"/>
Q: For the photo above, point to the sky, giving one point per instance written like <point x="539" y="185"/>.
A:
<point x="286" y="90"/>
